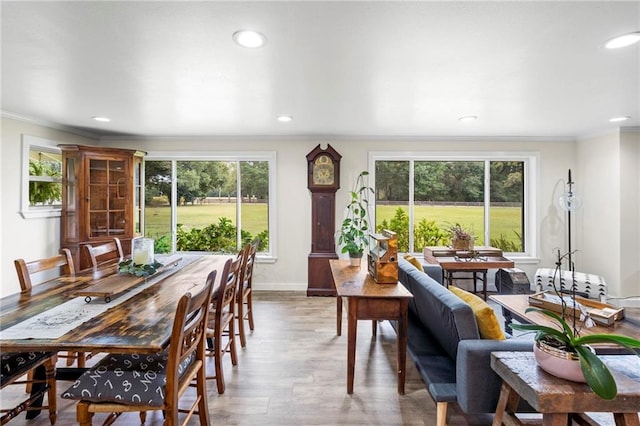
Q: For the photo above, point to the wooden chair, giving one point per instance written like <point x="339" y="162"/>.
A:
<point x="63" y="261"/>
<point x="40" y="368"/>
<point x="26" y="271"/>
<point x="244" y="297"/>
<point x="135" y="382"/>
<point x="222" y="320"/>
<point x="104" y="254"/>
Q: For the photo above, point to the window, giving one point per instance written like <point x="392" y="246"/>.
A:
<point x="41" y="178"/>
<point x="211" y="205"/>
<point x="420" y="197"/>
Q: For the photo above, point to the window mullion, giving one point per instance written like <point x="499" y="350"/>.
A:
<point x="238" y="206"/>
<point x="411" y="247"/>
<point x="487" y="202"/>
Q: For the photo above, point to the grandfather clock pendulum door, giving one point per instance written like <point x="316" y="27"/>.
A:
<point x="323" y="180"/>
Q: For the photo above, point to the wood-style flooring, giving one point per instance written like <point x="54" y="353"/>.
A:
<point x="293" y="372"/>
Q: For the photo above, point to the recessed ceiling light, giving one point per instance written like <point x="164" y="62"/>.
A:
<point x="101" y="119"/>
<point x="619" y="119"/>
<point x="252" y="39"/>
<point x="285" y="118"/>
<point x="468" y="118"/>
<point x="622" y="41"/>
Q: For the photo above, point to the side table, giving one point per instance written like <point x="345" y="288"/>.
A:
<point x="559" y="399"/>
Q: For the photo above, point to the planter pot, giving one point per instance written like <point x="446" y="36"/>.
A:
<point x="558" y="362"/>
<point x="460" y="244"/>
<point x="355" y="259"/>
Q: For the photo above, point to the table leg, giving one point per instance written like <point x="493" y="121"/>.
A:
<point x="484" y="284"/>
<point x="352" y="331"/>
<point x="626" y="419"/>
<point x="449" y="278"/>
<point x="402" y="346"/>
<point x="507" y="404"/>
<point x="555" y="419"/>
<point x="339" y="315"/>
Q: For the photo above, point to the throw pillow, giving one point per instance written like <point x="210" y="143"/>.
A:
<point x="415" y="262"/>
<point x="488" y="324"/>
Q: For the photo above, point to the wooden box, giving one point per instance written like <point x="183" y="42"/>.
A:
<point x="601" y="313"/>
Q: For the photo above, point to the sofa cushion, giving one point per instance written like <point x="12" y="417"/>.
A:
<point x="445" y="315"/>
<point x="415" y="262"/>
<point x="488" y="324"/>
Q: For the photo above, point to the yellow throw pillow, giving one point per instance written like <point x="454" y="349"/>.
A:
<point x="415" y="262"/>
<point x="488" y="324"/>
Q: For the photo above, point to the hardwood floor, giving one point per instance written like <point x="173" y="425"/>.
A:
<point x="293" y="372"/>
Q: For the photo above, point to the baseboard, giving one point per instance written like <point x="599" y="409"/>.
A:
<point x="280" y="287"/>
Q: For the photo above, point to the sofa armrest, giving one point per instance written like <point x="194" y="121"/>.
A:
<point x="478" y="386"/>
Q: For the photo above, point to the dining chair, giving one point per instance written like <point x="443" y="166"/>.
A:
<point x="42" y="365"/>
<point x="25" y="270"/>
<point x="104" y="254"/>
<point x="28" y="272"/>
<point x="148" y="382"/>
<point x="222" y="320"/>
<point x="244" y="295"/>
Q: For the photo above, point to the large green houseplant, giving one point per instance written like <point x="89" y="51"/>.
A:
<point x="353" y="235"/>
<point x="567" y="338"/>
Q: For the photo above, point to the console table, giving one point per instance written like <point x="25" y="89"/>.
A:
<point x="559" y="400"/>
<point x="478" y="261"/>
<point x="368" y="300"/>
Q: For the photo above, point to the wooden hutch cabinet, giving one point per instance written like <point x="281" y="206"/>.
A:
<point x="101" y="197"/>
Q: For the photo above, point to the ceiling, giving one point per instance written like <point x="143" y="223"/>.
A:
<point x="341" y="69"/>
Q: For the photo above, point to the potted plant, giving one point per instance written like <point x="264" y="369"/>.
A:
<point x="353" y="235"/>
<point x="461" y="238"/>
<point x="562" y="352"/>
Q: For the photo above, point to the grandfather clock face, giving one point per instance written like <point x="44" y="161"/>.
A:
<point x="323" y="171"/>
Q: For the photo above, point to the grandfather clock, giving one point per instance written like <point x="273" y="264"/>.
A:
<point x="323" y="180"/>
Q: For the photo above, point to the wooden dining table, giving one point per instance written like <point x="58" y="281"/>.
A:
<point x="140" y="324"/>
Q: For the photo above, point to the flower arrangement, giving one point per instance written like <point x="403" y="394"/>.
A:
<point x="566" y="339"/>
<point x="461" y="238"/>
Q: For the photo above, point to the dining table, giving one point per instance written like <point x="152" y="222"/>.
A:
<point x="138" y="323"/>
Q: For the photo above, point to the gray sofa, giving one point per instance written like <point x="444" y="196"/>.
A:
<point x="445" y="345"/>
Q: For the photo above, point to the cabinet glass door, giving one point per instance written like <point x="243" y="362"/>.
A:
<point x="108" y="192"/>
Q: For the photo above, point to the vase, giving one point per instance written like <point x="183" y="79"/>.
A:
<point x="558" y="362"/>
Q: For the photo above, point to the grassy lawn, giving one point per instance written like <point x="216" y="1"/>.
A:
<point x="255" y="217"/>
<point x="504" y="219"/>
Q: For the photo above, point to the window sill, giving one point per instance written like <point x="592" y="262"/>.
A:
<point x="40" y="213"/>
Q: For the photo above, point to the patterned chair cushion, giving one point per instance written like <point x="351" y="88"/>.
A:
<point x="129" y="379"/>
<point x="16" y="364"/>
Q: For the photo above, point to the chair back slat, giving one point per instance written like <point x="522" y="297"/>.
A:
<point x="25" y="270"/>
<point x="106" y="253"/>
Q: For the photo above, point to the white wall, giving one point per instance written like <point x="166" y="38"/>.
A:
<point x="40" y="237"/>
<point x="608" y="238"/>
<point x="630" y="214"/>
<point x="23" y="238"/>
<point x="598" y="179"/>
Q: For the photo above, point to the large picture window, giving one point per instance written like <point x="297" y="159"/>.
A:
<point x="211" y="205"/>
<point x="420" y="198"/>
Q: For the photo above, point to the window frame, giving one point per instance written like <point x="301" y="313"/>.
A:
<point x="27" y="211"/>
<point x="270" y="256"/>
<point x="531" y="184"/>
